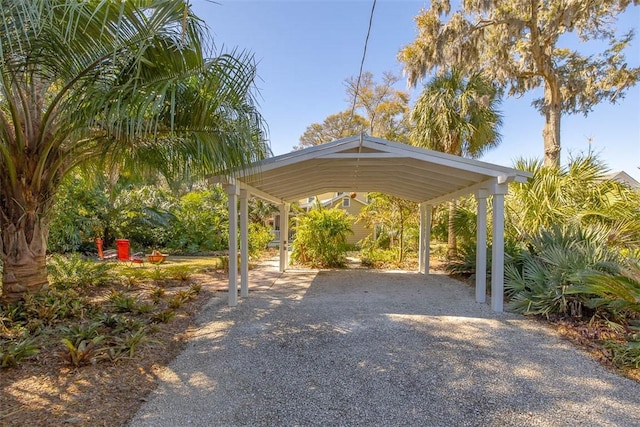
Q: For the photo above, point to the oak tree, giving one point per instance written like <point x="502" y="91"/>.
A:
<point x="523" y="45"/>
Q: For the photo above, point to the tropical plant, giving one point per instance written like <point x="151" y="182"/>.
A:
<point x="616" y="288"/>
<point x="579" y="194"/>
<point x="81" y="352"/>
<point x="259" y="238"/>
<point x="12" y="352"/>
<point x="201" y="222"/>
<point x="78" y="215"/>
<point x="74" y="271"/>
<point x="544" y="279"/>
<point x="135" y="84"/>
<point x="393" y="216"/>
<point x="519" y="45"/>
<point x="123" y="303"/>
<point x="321" y="237"/>
<point x="458" y="115"/>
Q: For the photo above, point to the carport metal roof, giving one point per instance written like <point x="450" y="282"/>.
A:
<point x="366" y="164"/>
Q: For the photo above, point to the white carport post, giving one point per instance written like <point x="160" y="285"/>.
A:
<point x="244" y="243"/>
<point x="425" y="238"/>
<point x="497" y="254"/>
<point x="481" y="246"/>
<point x="232" y="192"/>
<point x="284" y="236"/>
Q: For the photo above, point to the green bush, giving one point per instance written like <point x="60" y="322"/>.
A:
<point x="259" y="237"/>
<point x="200" y="222"/>
<point x="321" y="238"/>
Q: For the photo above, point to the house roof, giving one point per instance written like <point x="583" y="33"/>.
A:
<point x="366" y="164"/>
<point x="624" y="178"/>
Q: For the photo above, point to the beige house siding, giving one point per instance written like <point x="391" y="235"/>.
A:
<point x="359" y="230"/>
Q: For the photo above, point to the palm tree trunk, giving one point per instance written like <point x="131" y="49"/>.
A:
<point x="452" y="246"/>
<point x="24" y="261"/>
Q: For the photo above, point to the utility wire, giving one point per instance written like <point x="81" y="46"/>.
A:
<point x="364" y="55"/>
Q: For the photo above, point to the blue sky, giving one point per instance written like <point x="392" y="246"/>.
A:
<point x="306" y="49"/>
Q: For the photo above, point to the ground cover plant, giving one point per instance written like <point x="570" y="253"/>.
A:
<point x="101" y="329"/>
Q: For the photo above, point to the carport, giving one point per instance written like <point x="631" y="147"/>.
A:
<point x="366" y="164"/>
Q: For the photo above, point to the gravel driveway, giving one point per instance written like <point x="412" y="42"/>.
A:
<point x="367" y="348"/>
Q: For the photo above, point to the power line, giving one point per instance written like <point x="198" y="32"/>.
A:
<point x="364" y="55"/>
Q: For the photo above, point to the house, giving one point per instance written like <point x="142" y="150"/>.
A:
<point x="352" y="203"/>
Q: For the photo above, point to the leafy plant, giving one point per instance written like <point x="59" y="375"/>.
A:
<point x="179" y="272"/>
<point x="259" y="238"/>
<point x="200" y="222"/>
<point x="616" y="289"/>
<point x="81" y="351"/>
<point x="321" y="237"/>
<point x="127" y="345"/>
<point x="164" y="316"/>
<point x="543" y="280"/>
<point x="74" y="271"/>
<point x="624" y="354"/>
<point x="82" y="331"/>
<point x="14" y="351"/>
<point x="123" y="303"/>
<point x="54" y="305"/>
<point x="157" y="294"/>
<point x="178" y="300"/>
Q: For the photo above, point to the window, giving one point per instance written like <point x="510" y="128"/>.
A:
<point x="311" y="199"/>
<point x="346" y="202"/>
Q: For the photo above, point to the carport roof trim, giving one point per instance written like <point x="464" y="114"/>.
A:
<point x="363" y="163"/>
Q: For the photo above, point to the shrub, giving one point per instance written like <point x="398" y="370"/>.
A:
<point x="259" y="238"/>
<point x="624" y="354"/>
<point x="200" y="222"/>
<point x="615" y="288"/>
<point x="321" y="237"/>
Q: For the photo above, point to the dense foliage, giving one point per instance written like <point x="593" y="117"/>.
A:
<point x="149" y="216"/>
<point x="321" y="237"/>
<point x="134" y="85"/>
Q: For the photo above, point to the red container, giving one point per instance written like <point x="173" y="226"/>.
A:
<point x="123" y="249"/>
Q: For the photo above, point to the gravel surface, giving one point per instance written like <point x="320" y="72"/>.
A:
<point x="367" y="348"/>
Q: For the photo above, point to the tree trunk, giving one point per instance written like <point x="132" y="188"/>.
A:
<point x="552" y="112"/>
<point x="24" y="262"/>
<point x="452" y="241"/>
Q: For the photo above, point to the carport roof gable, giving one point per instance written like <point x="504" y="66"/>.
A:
<point x="364" y="163"/>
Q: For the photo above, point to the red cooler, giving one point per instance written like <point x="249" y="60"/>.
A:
<point x="123" y="249"/>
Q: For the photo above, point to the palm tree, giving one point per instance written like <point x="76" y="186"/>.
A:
<point x="457" y="115"/>
<point x="125" y="82"/>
